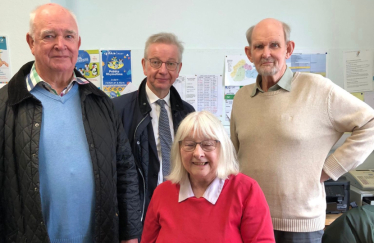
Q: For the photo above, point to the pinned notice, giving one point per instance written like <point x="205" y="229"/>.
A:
<point x="358" y="71"/>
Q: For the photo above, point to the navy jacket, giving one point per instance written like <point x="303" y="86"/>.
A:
<point x="134" y="110"/>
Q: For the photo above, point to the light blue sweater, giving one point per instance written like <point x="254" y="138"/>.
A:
<point x="65" y="169"/>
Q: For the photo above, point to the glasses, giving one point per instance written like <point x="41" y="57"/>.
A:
<point x="156" y="63"/>
<point x="207" y="145"/>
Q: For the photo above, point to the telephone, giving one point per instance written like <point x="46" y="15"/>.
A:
<point x="362" y="179"/>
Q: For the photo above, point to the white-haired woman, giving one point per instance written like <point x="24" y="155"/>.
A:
<point x="206" y="199"/>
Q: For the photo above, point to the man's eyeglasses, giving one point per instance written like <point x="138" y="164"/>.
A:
<point x="206" y="145"/>
<point x="157" y="63"/>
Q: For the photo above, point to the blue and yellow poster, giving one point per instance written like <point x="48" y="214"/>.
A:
<point x="88" y="64"/>
<point x="116" y="67"/>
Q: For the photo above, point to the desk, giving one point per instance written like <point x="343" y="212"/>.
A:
<point x="331" y="217"/>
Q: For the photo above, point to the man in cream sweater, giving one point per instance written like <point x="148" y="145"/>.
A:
<point x="283" y="128"/>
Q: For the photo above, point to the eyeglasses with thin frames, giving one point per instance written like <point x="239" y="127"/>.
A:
<point x="206" y="145"/>
<point x="157" y="63"/>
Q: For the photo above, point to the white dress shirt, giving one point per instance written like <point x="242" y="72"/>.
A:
<point x="155" y="114"/>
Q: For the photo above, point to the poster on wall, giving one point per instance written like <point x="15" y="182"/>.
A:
<point x="308" y="63"/>
<point x="230" y="92"/>
<point x="5" y="74"/>
<point x="116" y="71"/>
<point x="239" y="71"/>
<point x="88" y="64"/>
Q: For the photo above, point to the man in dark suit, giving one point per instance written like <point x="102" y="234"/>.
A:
<point x="151" y="115"/>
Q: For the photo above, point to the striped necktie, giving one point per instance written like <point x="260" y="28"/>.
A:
<point x="165" y="138"/>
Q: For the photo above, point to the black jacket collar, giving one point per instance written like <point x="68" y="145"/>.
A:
<point x="175" y="99"/>
<point x="18" y="92"/>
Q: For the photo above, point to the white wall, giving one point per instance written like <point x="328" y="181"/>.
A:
<point x="14" y="23"/>
<point x="213" y="28"/>
<point x="210" y="29"/>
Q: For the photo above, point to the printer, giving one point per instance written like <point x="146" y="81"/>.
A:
<point x="362" y="186"/>
<point x="337" y="195"/>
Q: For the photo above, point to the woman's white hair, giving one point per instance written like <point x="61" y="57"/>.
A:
<point x="203" y="124"/>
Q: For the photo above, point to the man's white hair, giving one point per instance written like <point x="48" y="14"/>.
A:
<point x="32" y="19"/>
<point x="165" y="38"/>
<point x="286" y="32"/>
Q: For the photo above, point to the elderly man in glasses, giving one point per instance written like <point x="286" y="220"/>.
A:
<point x="151" y="115"/>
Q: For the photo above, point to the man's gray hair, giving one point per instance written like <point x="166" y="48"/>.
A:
<point x="286" y="32"/>
<point x="32" y="19"/>
<point x="203" y="124"/>
<point x="165" y="38"/>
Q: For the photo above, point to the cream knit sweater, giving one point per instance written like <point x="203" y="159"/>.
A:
<point x="283" y="139"/>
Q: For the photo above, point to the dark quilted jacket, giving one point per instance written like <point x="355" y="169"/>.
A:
<point x="134" y="110"/>
<point x="117" y="204"/>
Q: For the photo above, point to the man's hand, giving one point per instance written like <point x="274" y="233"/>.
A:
<point x="130" y="241"/>
<point x="324" y="176"/>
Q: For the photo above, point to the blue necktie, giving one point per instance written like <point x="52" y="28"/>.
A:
<point x="165" y="138"/>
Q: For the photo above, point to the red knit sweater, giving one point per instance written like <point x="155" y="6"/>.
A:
<point x="240" y="214"/>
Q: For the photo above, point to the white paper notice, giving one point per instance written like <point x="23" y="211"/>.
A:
<point x="358" y="71"/>
<point x="186" y="85"/>
<point x="203" y="92"/>
<point x="210" y="94"/>
<point x="191" y="90"/>
<point x="180" y="84"/>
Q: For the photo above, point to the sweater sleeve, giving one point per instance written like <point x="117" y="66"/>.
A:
<point x="256" y="225"/>
<point x="151" y="225"/>
<point x="349" y="114"/>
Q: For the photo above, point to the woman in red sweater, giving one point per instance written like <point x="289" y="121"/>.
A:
<point x="206" y="199"/>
